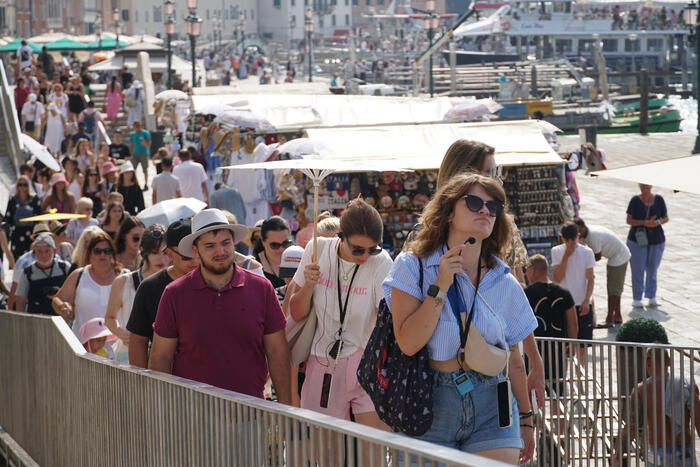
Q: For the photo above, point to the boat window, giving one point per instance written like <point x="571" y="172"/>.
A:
<point x="655" y="45"/>
<point x="563" y="45"/>
<point x="632" y="45"/>
<point x="586" y="45"/>
<point x="609" y="45"/>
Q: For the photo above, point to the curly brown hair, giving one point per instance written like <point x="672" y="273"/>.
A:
<point x="435" y="218"/>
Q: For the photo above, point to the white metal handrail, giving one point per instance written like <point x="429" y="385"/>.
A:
<point x="67" y="407"/>
<point x="9" y="114"/>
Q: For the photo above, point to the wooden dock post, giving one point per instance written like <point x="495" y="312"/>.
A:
<point x="533" y="81"/>
<point x="453" y="68"/>
<point x="643" y="101"/>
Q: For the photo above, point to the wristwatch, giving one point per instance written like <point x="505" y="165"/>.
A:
<point x="439" y="295"/>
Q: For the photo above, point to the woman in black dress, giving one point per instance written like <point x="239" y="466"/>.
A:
<point x="130" y="190"/>
<point x="76" y="98"/>
<point x="23" y="204"/>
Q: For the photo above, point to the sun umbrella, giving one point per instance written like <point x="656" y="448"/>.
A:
<point x="99" y="56"/>
<point x="169" y="211"/>
<point x="215" y="108"/>
<point x="52" y="215"/>
<point x="172" y="94"/>
<point x="302" y="147"/>
<point x="17" y="43"/>
<point x="65" y="44"/>
<point x="244" y="118"/>
<point x="471" y="109"/>
<point x="39" y="151"/>
<point x="317" y="169"/>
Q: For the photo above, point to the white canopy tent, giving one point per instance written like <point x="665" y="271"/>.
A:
<point x="676" y="174"/>
<point x="420" y="147"/>
<point x="158" y="65"/>
<point x="300" y="111"/>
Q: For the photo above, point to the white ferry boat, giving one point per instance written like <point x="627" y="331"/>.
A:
<point x="631" y="34"/>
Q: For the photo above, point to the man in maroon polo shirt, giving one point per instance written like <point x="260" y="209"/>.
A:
<point x="220" y="324"/>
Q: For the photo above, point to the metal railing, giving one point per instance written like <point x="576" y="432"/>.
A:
<point x="67" y="407"/>
<point x="612" y="403"/>
<point x="10" y="119"/>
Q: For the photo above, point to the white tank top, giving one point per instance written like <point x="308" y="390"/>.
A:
<point x="90" y="300"/>
<point x="121" y="351"/>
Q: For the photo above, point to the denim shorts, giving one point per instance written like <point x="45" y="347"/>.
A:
<point x="470" y="422"/>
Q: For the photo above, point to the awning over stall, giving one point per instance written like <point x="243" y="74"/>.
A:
<point x="675" y="174"/>
<point x="423" y="146"/>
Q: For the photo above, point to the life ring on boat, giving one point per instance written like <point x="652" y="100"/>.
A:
<point x="505" y="25"/>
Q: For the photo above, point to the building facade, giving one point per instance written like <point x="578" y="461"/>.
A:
<point x="283" y="20"/>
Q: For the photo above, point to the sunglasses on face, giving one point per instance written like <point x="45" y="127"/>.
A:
<point x="359" y="251"/>
<point x="183" y="257"/>
<point x="475" y="203"/>
<point x="102" y="251"/>
<point x="22" y="184"/>
<point x="92" y="175"/>
<point x="276" y="245"/>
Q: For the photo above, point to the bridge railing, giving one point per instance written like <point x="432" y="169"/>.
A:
<point x="10" y="120"/>
<point x="67" y="407"/>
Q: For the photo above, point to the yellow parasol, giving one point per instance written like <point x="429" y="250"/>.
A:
<point x="52" y="215"/>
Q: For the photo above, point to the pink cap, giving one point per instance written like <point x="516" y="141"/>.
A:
<point x="93" y="329"/>
<point x="58" y="178"/>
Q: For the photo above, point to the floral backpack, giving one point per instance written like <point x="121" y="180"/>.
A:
<point x="400" y="386"/>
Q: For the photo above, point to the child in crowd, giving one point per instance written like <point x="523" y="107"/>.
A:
<point x="95" y="337"/>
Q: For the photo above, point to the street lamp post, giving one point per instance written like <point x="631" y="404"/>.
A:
<point x="690" y="15"/>
<point x="309" y="29"/>
<point x="98" y="30"/>
<point x="117" y="25"/>
<point x="193" y="28"/>
<point x="169" y="10"/>
<point x="292" y="25"/>
<point x="430" y="23"/>
<point x="241" y="32"/>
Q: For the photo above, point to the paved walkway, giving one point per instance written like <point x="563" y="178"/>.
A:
<point x="604" y="202"/>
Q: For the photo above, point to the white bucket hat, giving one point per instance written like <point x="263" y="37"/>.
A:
<point x="126" y="167"/>
<point x="206" y="221"/>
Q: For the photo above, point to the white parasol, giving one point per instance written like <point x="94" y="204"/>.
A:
<point x="299" y="147"/>
<point x="471" y="109"/>
<point x="39" y="151"/>
<point x="245" y="119"/>
<point x="172" y="94"/>
<point x="168" y="211"/>
<point x="318" y="169"/>
<point x="215" y="108"/>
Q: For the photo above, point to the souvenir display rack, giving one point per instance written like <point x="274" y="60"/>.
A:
<point x="536" y="198"/>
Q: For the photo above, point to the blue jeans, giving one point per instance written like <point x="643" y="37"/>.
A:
<point x="644" y="263"/>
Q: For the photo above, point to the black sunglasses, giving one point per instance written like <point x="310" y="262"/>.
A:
<point x="102" y="251"/>
<point x="184" y="258"/>
<point x="285" y="244"/>
<point x="359" y="251"/>
<point x="475" y="203"/>
<point x="22" y="184"/>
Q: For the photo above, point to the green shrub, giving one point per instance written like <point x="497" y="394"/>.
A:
<point x="642" y="330"/>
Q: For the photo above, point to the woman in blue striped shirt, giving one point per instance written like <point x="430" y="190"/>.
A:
<point x="465" y="230"/>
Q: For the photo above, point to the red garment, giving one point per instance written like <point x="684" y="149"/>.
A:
<point x="21" y="95"/>
<point x="220" y="332"/>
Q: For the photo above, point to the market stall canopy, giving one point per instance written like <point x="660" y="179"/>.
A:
<point x="676" y="174"/>
<point x="158" y="65"/>
<point x="17" y="43"/>
<point x="106" y="43"/>
<point x="300" y="111"/>
<point x="65" y="44"/>
<point x="422" y="147"/>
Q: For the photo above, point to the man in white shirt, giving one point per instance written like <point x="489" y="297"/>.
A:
<point x="165" y="185"/>
<point x="605" y="243"/>
<point x="24" y="56"/>
<point x="572" y="265"/>
<point x="193" y="178"/>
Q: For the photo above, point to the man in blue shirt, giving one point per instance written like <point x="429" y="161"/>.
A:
<point x="140" y="144"/>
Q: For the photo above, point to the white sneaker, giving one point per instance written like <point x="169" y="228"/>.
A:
<point x="637" y="304"/>
<point x="653" y="302"/>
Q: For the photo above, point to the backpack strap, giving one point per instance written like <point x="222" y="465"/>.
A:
<point x="64" y="266"/>
<point x="136" y="278"/>
<point x="28" y="273"/>
<point x="420" y="274"/>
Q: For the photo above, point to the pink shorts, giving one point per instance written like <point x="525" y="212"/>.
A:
<point x="346" y="391"/>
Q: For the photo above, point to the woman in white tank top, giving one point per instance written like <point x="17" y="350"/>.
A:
<point x="123" y="291"/>
<point x="85" y="293"/>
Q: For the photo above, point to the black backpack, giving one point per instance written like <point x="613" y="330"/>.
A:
<point x="401" y="387"/>
<point x="551" y="322"/>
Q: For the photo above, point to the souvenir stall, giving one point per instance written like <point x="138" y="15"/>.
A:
<point x="532" y="171"/>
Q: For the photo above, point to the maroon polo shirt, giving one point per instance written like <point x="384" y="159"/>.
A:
<point x="220" y="332"/>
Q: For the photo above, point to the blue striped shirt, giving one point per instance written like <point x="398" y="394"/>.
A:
<point x="499" y="288"/>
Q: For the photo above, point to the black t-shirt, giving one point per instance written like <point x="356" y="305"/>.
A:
<point x="549" y="303"/>
<point x="640" y="212"/>
<point x="145" y="307"/>
<point x="119" y="151"/>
